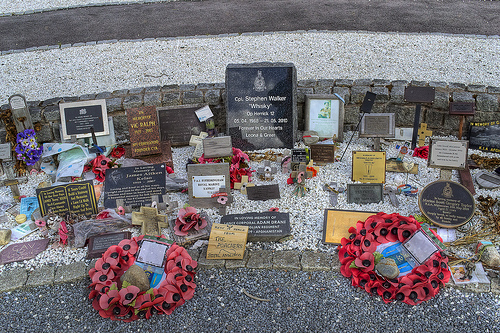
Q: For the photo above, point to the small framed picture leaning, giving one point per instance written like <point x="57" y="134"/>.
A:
<point x="325" y="115"/>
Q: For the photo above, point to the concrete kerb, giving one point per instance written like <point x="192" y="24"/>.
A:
<point x="259" y="259"/>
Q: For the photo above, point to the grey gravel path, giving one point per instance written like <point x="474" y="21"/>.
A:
<point x="299" y="302"/>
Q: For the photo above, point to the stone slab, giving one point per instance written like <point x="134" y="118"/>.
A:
<point x="261" y="259"/>
<point x="41" y="276"/>
<point x="312" y="261"/>
<point x="13" y="279"/>
<point x="237" y="263"/>
<point x="205" y="263"/>
<point x="71" y="272"/>
<point x="286" y="260"/>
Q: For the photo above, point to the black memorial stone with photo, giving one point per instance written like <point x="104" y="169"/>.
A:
<point x="134" y="185"/>
<point x="446" y="203"/>
<point x="261" y="105"/>
<point x="262" y="227"/>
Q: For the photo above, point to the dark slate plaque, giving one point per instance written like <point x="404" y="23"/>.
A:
<point x="23" y="251"/>
<point x="98" y="244"/>
<point x="446" y="203"/>
<point x="178" y="123"/>
<point x="485" y="136"/>
<point x="323" y="153"/>
<point x="261" y="105"/>
<point x="299" y="155"/>
<point x="364" y="193"/>
<point x="419" y="94"/>
<point x="262" y="227"/>
<point x="263" y="192"/>
<point x="78" y="198"/>
<point x="80" y="117"/>
<point x="135" y="185"/>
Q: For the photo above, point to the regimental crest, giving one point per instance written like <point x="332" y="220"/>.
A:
<point x="447" y="191"/>
<point x="259" y="84"/>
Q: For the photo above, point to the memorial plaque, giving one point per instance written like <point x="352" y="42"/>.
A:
<point x="377" y="125"/>
<point x="144" y="131"/>
<point x="205" y="180"/>
<point x="446" y="203"/>
<point x="134" y="185"/>
<point x="79" y="118"/>
<point x="447" y="154"/>
<point x="368" y="102"/>
<point x="262" y="227"/>
<point x="368" y="166"/>
<point x="178" y="123"/>
<point x="227" y="241"/>
<point x="489" y="180"/>
<point x="98" y="244"/>
<point x="78" y="198"/>
<point x="462" y="108"/>
<point x="299" y="155"/>
<point x="398" y="166"/>
<point x="419" y="94"/>
<point x="325" y="116"/>
<point x="261" y="105"/>
<point x="5" y="152"/>
<point x="20" y="112"/>
<point x="323" y="153"/>
<point x="485" y="136"/>
<point x="337" y="223"/>
<point x="164" y="157"/>
<point x="217" y="147"/>
<point x="263" y="192"/>
<point x="364" y="193"/>
<point x="23" y="251"/>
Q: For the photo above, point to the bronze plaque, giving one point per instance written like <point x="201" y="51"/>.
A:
<point x="462" y="108"/>
<point x="323" y="153"/>
<point x="446" y="203"/>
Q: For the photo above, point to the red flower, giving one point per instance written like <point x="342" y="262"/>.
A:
<point x="169" y="169"/>
<point x="365" y="262"/>
<point x="127" y="295"/>
<point x="109" y="299"/>
<point x="104" y="265"/>
<point x="103" y="278"/>
<point x="188" y="218"/>
<point x="118" y="152"/>
<point x="405" y="231"/>
<point x="422" y="152"/>
<point x="99" y="166"/>
<point x="128" y="246"/>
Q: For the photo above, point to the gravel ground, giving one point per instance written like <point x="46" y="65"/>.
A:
<point x="82" y="70"/>
<point x="20" y="6"/>
<point x="299" y="302"/>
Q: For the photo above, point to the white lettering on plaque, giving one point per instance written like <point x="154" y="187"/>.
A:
<point x="205" y="186"/>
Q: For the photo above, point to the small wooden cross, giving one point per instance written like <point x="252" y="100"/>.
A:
<point x="243" y="184"/>
<point x="150" y="221"/>
<point x="266" y="172"/>
<point x="166" y="205"/>
<point x="222" y="199"/>
<point x="334" y="191"/>
<point x="197" y="141"/>
<point x="391" y="192"/>
<point x="302" y="168"/>
<point x="423" y="132"/>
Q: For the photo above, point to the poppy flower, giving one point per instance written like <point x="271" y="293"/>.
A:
<point x="405" y="231"/>
<point x="368" y="244"/>
<point x="372" y="222"/>
<point x="128" y="294"/>
<point x="105" y="264"/>
<point x="360" y="280"/>
<point x="274" y="209"/>
<point x="365" y="262"/>
<point x="387" y="291"/>
<point x="128" y="246"/>
<point x="188" y="218"/>
<point x="143" y="305"/>
<point x="113" y="252"/>
<point x="117" y="152"/>
<point x="345" y="268"/>
<point x="99" y="166"/>
<point x="186" y="289"/>
<point x="108" y="299"/>
<point x="178" y="274"/>
<point x="103" y="278"/>
<point x="172" y="295"/>
<point x="344" y="255"/>
<point x="165" y="307"/>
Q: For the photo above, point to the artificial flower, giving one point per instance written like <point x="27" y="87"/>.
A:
<point x="188" y="218"/>
<point x="422" y="152"/>
<point x="128" y="246"/>
<point x="117" y="152"/>
<point x="365" y="262"/>
<point x="108" y="299"/>
<point x="128" y="294"/>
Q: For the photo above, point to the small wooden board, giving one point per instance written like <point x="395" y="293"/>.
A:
<point x="397" y="166"/>
<point x="227" y="241"/>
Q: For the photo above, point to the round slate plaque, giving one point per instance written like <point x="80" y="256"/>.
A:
<point x="446" y="203"/>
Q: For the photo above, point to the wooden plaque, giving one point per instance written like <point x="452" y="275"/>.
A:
<point x="227" y="241"/>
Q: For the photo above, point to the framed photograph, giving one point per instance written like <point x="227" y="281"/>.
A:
<point x="79" y="118"/>
<point x="325" y="115"/>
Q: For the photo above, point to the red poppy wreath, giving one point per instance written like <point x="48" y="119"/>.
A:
<point x="126" y="302"/>
<point x="358" y="258"/>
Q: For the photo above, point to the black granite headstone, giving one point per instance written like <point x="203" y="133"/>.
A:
<point x="446" y="203"/>
<point x="261" y="105"/>
<point x="262" y="227"/>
